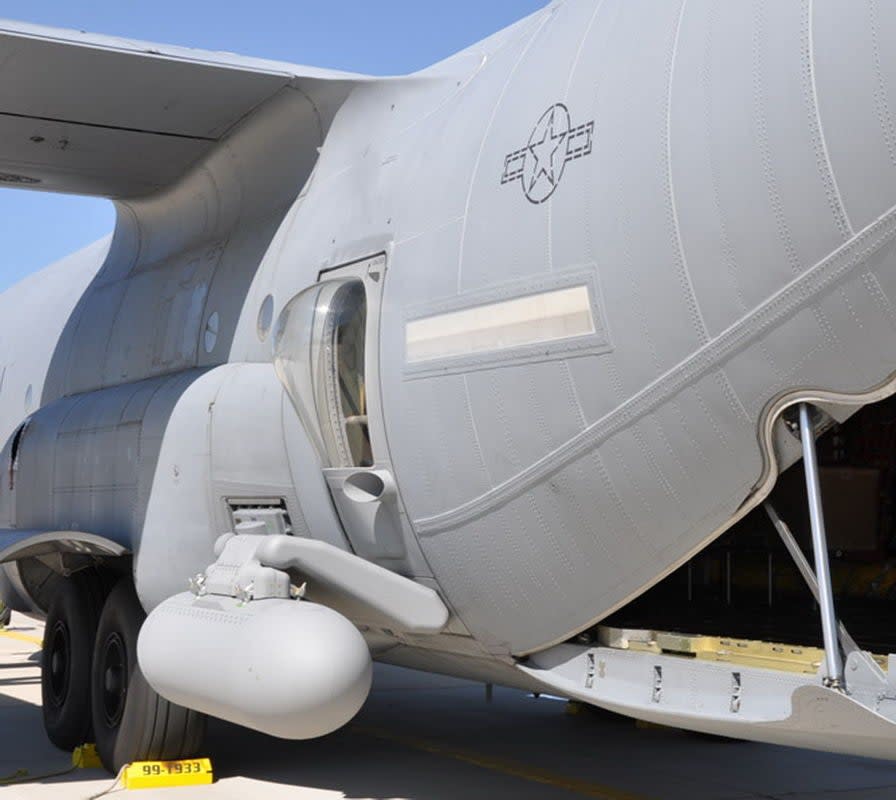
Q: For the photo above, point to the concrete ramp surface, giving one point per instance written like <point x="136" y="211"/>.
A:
<point x="424" y="737"/>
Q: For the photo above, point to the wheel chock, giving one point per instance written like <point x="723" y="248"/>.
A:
<point x="164" y="774"/>
<point x="86" y="757"/>
<point x="574" y="709"/>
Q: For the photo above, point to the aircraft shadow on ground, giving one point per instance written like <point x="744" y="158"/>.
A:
<point x="23" y="743"/>
<point x="445" y="743"/>
<point x="402" y="746"/>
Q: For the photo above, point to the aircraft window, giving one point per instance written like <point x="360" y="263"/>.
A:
<point x="212" y="327"/>
<point x="14" y="453"/>
<point x="319" y="354"/>
<point x="532" y="319"/>
<point x="265" y="317"/>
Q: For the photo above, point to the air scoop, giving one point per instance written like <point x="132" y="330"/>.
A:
<point x="243" y="646"/>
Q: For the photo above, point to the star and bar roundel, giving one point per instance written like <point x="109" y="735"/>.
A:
<point x="539" y="166"/>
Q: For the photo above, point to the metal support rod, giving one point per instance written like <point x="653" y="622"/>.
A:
<point x="805" y="568"/>
<point x="833" y="660"/>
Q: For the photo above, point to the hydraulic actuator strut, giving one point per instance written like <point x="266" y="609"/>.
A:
<point x="820" y="582"/>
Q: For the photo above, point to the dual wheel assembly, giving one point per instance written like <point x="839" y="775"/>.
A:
<point x="92" y="687"/>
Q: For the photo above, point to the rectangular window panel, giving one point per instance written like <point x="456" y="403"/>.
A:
<point x="493" y="327"/>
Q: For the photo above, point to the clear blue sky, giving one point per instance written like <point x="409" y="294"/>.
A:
<point x="373" y="36"/>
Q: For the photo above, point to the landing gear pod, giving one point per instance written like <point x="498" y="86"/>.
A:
<point x="287" y="668"/>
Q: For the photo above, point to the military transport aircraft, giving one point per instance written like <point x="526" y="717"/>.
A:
<point x="442" y="370"/>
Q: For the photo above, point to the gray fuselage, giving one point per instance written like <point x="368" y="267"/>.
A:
<point x="719" y="177"/>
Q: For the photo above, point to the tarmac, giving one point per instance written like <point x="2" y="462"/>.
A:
<point x="424" y="737"/>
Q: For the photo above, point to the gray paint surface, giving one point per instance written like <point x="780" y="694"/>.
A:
<point x="518" y="742"/>
<point x="732" y="202"/>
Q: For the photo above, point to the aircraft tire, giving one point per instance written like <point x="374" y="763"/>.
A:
<point x="131" y="721"/>
<point x="67" y="652"/>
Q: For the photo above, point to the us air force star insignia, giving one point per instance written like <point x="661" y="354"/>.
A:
<point x="540" y="165"/>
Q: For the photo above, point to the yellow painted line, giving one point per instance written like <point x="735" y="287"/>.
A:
<point x="512" y="768"/>
<point x="22" y="637"/>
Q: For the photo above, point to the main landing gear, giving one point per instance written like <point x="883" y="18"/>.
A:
<point x="68" y="645"/>
<point x="92" y="686"/>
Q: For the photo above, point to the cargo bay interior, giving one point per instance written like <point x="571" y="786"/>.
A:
<point x="746" y="586"/>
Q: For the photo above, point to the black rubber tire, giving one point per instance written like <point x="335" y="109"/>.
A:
<point x="131" y="722"/>
<point x="65" y="664"/>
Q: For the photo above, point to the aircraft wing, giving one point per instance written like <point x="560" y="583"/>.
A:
<point x="98" y="115"/>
